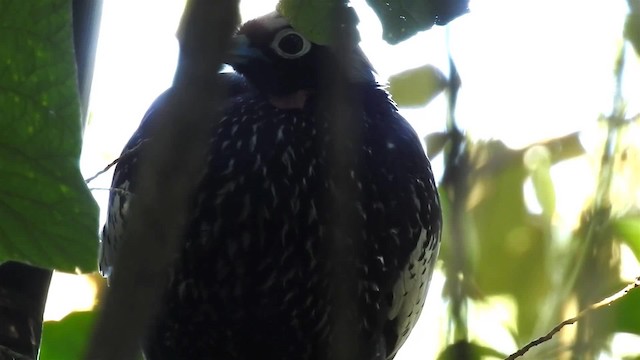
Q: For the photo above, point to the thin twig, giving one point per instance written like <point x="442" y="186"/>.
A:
<point x="604" y="302"/>
<point x="125" y="155"/>
<point x="118" y="191"/>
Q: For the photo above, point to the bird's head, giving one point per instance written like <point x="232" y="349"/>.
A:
<point x="280" y="62"/>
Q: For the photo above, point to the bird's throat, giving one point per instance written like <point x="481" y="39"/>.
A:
<point x="294" y="100"/>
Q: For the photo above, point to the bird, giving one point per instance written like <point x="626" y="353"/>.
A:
<point x="255" y="277"/>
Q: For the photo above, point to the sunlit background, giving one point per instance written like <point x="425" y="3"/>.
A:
<point x="531" y="70"/>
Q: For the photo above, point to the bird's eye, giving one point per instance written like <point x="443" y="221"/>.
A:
<point x="290" y="45"/>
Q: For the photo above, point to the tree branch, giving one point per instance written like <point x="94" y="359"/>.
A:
<point x="170" y="168"/>
<point x="602" y="303"/>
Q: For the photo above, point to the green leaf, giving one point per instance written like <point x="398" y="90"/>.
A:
<point x="48" y="217"/>
<point x="66" y="339"/>
<point x="416" y="87"/>
<point x="312" y="18"/>
<point x="402" y="19"/>
<point x="628" y="230"/>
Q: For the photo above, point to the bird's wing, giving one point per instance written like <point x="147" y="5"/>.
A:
<point x="123" y="185"/>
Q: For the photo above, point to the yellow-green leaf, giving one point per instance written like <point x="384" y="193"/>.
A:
<point x="416" y="87"/>
<point x="436" y="143"/>
<point x="537" y="160"/>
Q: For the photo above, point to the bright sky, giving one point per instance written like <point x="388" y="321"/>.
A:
<point x="531" y="70"/>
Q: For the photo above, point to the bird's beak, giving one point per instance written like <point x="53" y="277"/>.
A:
<point x="242" y="52"/>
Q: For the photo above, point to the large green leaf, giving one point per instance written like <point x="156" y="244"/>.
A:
<point x="47" y="215"/>
<point x="402" y="19"/>
<point x="66" y="339"/>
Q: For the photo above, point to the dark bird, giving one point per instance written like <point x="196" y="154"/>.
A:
<point x="256" y="276"/>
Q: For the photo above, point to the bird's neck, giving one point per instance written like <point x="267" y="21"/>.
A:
<point x="371" y="93"/>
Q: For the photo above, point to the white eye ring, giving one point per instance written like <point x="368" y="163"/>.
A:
<point x="282" y="34"/>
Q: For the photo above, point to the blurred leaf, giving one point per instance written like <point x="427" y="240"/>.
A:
<point x="48" y="217"/>
<point x="626" y="313"/>
<point x="436" y="143"/>
<point x="537" y="159"/>
<point x="564" y="148"/>
<point x="463" y="350"/>
<point x="632" y="25"/>
<point x="416" y="87"/>
<point x="510" y="256"/>
<point x="628" y="230"/>
<point x="312" y="18"/>
<point x="401" y="19"/>
<point x="66" y="339"/>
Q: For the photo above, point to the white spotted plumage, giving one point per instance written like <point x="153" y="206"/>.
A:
<point x="255" y="278"/>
